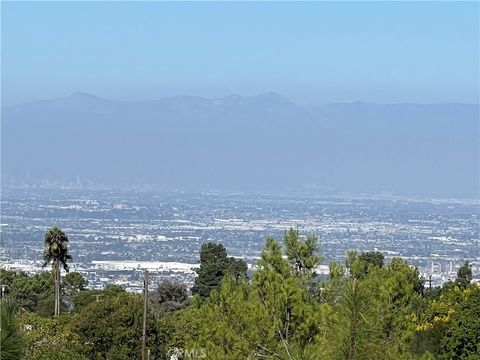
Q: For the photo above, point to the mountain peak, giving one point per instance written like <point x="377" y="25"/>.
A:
<point x="271" y="95"/>
<point x="274" y="97"/>
<point x="80" y="95"/>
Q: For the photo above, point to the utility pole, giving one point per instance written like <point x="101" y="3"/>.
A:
<point x="145" y="305"/>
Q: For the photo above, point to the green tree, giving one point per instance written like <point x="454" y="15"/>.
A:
<point x="271" y="317"/>
<point x="56" y="252"/>
<point x="295" y="320"/>
<point x="176" y="329"/>
<point x="302" y="253"/>
<point x="464" y="276"/>
<point x="355" y="267"/>
<point x="11" y="337"/>
<point x="169" y="290"/>
<point x="170" y="296"/>
<point x="357" y="323"/>
<point x="373" y="308"/>
<point x="462" y="340"/>
<point x="237" y="268"/>
<point x="397" y="297"/>
<point x="374" y="258"/>
<point x="214" y="265"/>
<point x="48" y="338"/>
<point x="74" y="281"/>
<point x="449" y="327"/>
<point x="111" y="328"/>
<point x="83" y="298"/>
<point x="359" y="265"/>
<point x="228" y="324"/>
<point x="31" y="292"/>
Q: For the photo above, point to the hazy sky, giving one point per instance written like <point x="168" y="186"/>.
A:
<point x="313" y="53"/>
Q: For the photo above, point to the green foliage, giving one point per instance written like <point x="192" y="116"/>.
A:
<point x="83" y="298"/>
<point x="170" y="296"/>
<point x="396" y="288"/>
<point x="275" y="315"/>
<point x="36" y="292"/>
<point x="49" y="338"/>
<point x="296" y="352"/>
<point x="111" y="327"/>
<point x="374" y="258"/>
<point x="272" y="260"/>
<point x="462" y="340"/>
<point x="366" y="324"/>
<point x="357" y="326"/>
<point x="74" y="281"/>
<point x="29" y="292"/>
<point x="271" y="317"/>
<point x="237" y="268"/>
<point x="238" y="322"/>
<point x="176" y="328"/>
<point x="464" y="276"/>
<point x="56" y="354"/>
<point x="450" y="325"/>
<point x="214" y="265"/>
<point x="112" y="289"/>
<point x="359" y="265"/>
<point x="282" y="293"/>
<point x="302" y="254"/>
<point x="227" y="316"/>
<point x="6" y="279"/>
<point x="56" y="250"/>
<point x="364" y="310"/>
<point x="11" y="338"/>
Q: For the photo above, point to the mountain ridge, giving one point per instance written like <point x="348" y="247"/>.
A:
<point x="261" y="141"/>
<point x="271" y="94"/>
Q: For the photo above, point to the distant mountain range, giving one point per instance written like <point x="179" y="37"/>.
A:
<point x="264" y="142"/>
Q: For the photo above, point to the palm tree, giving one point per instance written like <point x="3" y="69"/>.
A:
<point x="56" y="252"/>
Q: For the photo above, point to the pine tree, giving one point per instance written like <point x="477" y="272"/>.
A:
<point x="214" y="265"/>
<point x="302" y="254"/>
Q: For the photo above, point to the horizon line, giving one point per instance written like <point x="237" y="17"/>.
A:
<point x="232" y="95"/>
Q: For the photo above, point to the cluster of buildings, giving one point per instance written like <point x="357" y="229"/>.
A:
<point x="116" y="235"/>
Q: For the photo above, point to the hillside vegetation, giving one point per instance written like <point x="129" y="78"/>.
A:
<point x="364" y="309"/>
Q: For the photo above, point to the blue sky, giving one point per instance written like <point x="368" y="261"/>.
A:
<point x="313" y="53"/>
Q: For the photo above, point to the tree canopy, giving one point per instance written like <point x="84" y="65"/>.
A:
<point x="214" y="265"/>
<point x="367" y="308"/>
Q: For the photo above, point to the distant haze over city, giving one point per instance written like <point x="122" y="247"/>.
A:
<point x="333" y="97"/>
<point x="240" y="179"/>
<point x="258" y="143"/>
